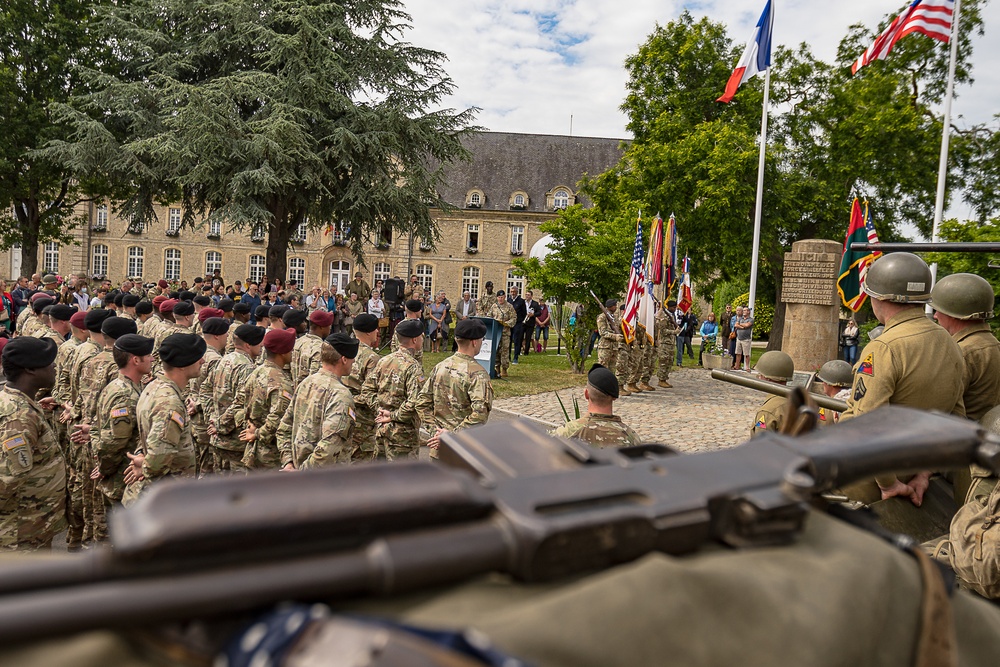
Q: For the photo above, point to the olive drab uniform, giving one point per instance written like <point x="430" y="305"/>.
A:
<point x="317" y="430"/>
<point x="600" y="431"/>
<point x="165" y="434"/>
<point x="231" y="374"/>
<point x="981" y="351"/>
<point x="607" y="346"/>
<point x="394" y="345"/>
<point x="305" y="357"/>
<point x="32" y="475"/>
<point x="364" y="431"/>
<point x="394" y="385"/>
<point x="115" y="434"/>
<point x="505" y="315"/>
<point x="770" y="416"/>
<point x="200" y="393"/>
<point x="665" y="326"/>
<point x="265" y="399"/>
<point x="457" y="394"/>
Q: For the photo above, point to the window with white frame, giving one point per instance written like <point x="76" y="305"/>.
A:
<point x="517" y="239"/>
<point x="472" y="237"/>
<point x="475" y="199"/>
<point x="299" y="235"/>
<point x="560" y="199"/>
<point x="99" y="260"/>
<point x="382" y="271"/>
<point x="425" y="275"/>
<point x="214" y="228"/>
<point x="173" y="221"/>
<point x="101" y="218"/>
<point x="50" y="260"/>
<point x="136" y="256"/>
<point x="257" y="264"/>
<point x="172" y="264"/>
<point x="514" y="280"/>
<point x="213" y="262"/>
<point x="470" y="281"/>
<point x="258" y="232"/>
<point x="297" y="270"/>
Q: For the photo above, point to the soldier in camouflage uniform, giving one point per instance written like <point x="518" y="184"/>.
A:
<point x="391" y="392"/>
<point x="412" y="311"/>
<point x="638" y="360"/>
<point x="35" y="324"/>
<point x="164" y="429"/>
<point x="57" y="327"/>
<point x="457" y="394"/>
<point x="230" y="375"/>
<point x="503" y="312"/>
<point x="214" y="330"/>
<point x="32" y="468"/>
<point x="63" y="393"/>
<point x="148" y="318"/>
<point x="624" y="369"/>
<point x="610" y="336"/>
<point x="129" y="302"/>
<point x="241" y="315"/>
<point x="600" y="427"/>
<point x="305" y="356"/>
<point x="24" y="325"/>
<point x="666" y="341"/>
<point x="367" y="333"/>
<point x="264" y="400"/>
<point x="317" y="431"/>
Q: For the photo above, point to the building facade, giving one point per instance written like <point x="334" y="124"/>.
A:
<point x="512" y="184"/>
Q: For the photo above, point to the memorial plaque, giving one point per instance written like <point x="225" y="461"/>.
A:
<point x="812" y="305"/>
<point x="806" y="278"/>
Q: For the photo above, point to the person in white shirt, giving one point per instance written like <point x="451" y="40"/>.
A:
<point x="376" y="306"/>
<point x="466" y="307"/>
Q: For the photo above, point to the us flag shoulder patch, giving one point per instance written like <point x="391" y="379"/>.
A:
<point x="177" y="418"/>
<point x="119" y="412"/>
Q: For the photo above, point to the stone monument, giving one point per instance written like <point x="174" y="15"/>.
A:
<point x="812" y="305"/>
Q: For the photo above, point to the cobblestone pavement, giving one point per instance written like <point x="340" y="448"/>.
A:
<point x="697" y="414"/>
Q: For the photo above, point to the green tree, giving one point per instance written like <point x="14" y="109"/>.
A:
<point x="265" y="115"/>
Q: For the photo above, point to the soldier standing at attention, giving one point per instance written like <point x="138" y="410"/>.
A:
<point x="32" y="468"/>
<point x="666" y="329"/>
<point x="412" y="311"/>
<point x="240" y="317"/>
<point x="623" y="371"/>
<point x="914" y="362"/>
<point x="262" y="316"/>
<point x="391" y="392"/>
<point x="230" y="375"/>
<point x="317" y="431"/>
<point x="600" y="427"/>
<point x="457" y="394"/>
<point x="164" y="430"/>
<point x="836" y="376"/>
<point x="775" y="366"/>
<point x="153" y="322"/>
<point x="129" y="302"/>
<point x="58" y="327"/>
<point x="215" y="332"/>
<point x="610" y="336"/>
<point x="264" y="401"/>
<point x="305" y="356"/>
<point x="367" y="333"/>
<point x="503" y="312"/>
<point x="642" y="350"/>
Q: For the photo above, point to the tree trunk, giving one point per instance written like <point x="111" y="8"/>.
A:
<point x="276" y="260"/>
<point x="778" y="323"/>
<point x="27" y="214"/>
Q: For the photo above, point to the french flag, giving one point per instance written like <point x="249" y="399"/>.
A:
<point x="756" y="58"/>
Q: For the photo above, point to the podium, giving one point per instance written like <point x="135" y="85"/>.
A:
<point x="487" y="356"/>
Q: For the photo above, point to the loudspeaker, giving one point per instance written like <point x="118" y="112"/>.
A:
<point x="393" y="291"/>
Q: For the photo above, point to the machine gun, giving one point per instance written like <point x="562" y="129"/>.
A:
<point x="926" y="247"/>
<point x="743" y="380"/>
<point x="509" y="498"/>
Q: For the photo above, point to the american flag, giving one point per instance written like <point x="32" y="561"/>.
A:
<point x="928" y="17"/>
<point x="636" y="288"/>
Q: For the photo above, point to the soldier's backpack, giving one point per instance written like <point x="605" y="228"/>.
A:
<point x="975" y="543"/>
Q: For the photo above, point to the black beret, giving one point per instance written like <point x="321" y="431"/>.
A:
<point x="414" y="306"/>
<point x="293" y="318"/>
<point x="489" y="283"/>
<point x="671" y="303"/>
<point x="365" y="323"/>
<point x="470" y="329"/>
<point x="180" y="350"/>
<point x="130" y="301"/>
<point x="115" y="327"/>
<point x="603" y="380"/>
<point x="135" y="344"/>
<point x="95" y="318"/>
<point x="47" y="309"/>
<point x="202" y="300"/>
<point x="144" y="307"/>
<point x="175" y="295"/>
<point x="30" y="352"/>
<point x="249" y="333"/>
<point x="344" y="344"/>
<point x="501" y="293"/>
<point x="183" y="308"/>
<point x="226" y="305"/>
<point x="241" y="307"/>
<point x="410" y="328"/>
<point x="215" y="326"/>
<point x="39" y="305"/>
<point x="61" y="312"/>
<point x="277" y="312"/>
<point x="611" y="303"/>
<point x="186" y="295"/>
<point x="262" y="311"/>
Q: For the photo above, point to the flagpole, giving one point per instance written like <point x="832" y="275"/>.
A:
<point x="945" y="139"/>
<point x="760" y="191"/>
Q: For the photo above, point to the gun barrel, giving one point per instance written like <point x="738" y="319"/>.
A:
<point x="821" y="400"/>
<point x="926" y="247"/>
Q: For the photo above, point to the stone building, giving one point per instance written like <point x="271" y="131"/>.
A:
<point x="513" y="183"/>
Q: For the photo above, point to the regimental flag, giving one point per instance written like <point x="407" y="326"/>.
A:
<point x="654" y="258"/>
<point x="854" y="264"/>
<point x="684" y="296"/>
<point x="671" y="253"/>
<point x="928" y="17"/>
<point x="757" y="56"/>
<point x="636" y="288"/>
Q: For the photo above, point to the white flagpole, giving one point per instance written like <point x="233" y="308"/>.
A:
<point x="945" y="138"/>
<point x="760" y="191"/>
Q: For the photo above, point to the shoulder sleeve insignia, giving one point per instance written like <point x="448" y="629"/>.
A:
<point x="859" y="389"/>
<point x="286" y="394"/>
<point x="18" y="453"/>
<point x="867" y="366"/>
<point x="119" y="412"/>
<point x="177" y="418"/>
<point x="822" y="414"/>
<point x="350" y="411"/>
<point x="760" y="425"/>
<point x="14" y="443"/>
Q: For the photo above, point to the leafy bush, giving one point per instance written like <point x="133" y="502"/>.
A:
<point x="763" y="318"/>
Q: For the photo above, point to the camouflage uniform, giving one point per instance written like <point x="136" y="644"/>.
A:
<point x="666" y="330"/>
<point x="637" y="362"/>
<point x="305" y="357"/>
<point x="165" y="432"/>
<point x="364" y="431"/>
<point x="418" y="355"/>
<point x="600" y="431"/>
<point x="165" y="329"/>
<point x="316" y="432"/>
<point x="507" y="318"/>
<point x="394" y="386"/>
<point x="200" y="391"/>
<point x="231" y="374"/>
<point x="76" y="459"/>
<point x="456" y="395"/>
<point x="45" y="331"/>
<point x="149" y="327"/>
<point x="116" y="433"/>
<point x="32" y="475"/>
<point x="231" y="337"/>
<point x="623" y="371"/>
<point x="607" y="344"/>
<point x="23" y="318"/>
<point x="264" y="400"/>
<point x="99" y="372"/>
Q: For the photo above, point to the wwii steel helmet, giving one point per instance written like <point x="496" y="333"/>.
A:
<point x="836" y="373"/>
<point x="901" y="277"/>
<point x="876" y="332"/>
<point x="775" y="365"/>
<point x="964" y="296"/>
<point x="991" y="420"/>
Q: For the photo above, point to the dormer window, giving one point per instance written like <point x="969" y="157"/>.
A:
<point x="519" y="201"/>
<point x="560" y="199"/>
<point x="475" y="199"/>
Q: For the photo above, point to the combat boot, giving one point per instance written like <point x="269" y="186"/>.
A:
<point x="632" y="389"/>
<point x="503" y="372"/>
<point x="665" y="385"/>
<point x="623" y="392"/>
<point x="645" y="386"/>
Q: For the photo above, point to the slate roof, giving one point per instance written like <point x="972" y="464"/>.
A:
<point x="505" y="162"/>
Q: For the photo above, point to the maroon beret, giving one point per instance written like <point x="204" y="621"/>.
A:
<point x="279" y="341"/>
<point x="321" y="318"/>
<point x="206" y="313"/>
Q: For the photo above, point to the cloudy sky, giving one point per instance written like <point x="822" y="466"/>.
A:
<point x="531" y="64"/>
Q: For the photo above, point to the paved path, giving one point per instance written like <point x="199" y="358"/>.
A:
<point x="697" y="414"/>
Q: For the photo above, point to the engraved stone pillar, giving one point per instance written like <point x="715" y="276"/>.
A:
<point x="812" y="306"/>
